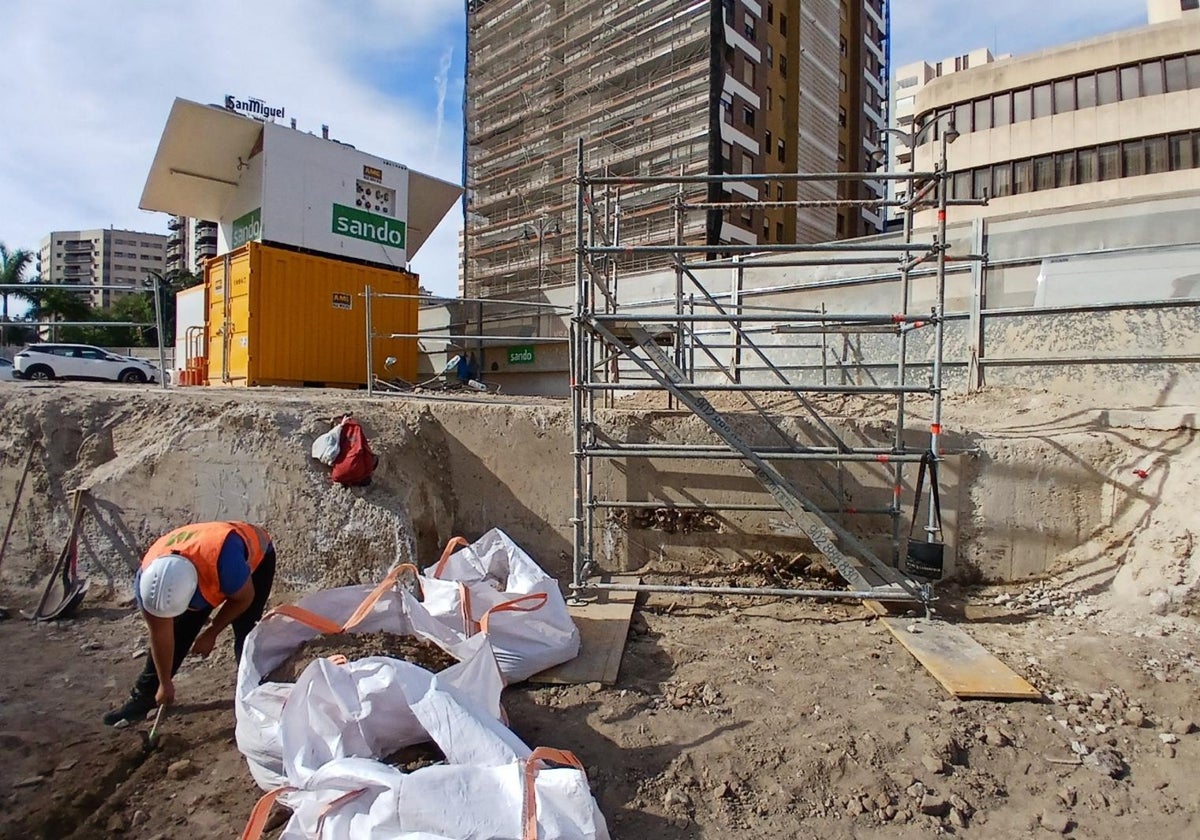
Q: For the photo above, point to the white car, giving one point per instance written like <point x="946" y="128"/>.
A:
<point x="80" y="361"/>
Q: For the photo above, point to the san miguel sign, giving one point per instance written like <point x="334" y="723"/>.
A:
<point x="253" y="107"/>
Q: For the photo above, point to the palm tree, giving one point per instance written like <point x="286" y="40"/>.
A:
<point x="12" y="270"/>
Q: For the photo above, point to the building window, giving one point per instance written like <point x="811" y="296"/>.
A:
<point x="1022" y="177"/>
<point x="1130" y="87"/>
<point x="1133" y="158"/>
<point x="1107" y="91"/>
<point x="729" y="9"/>
<point x="983" y="114"/>
<point x="842" y="82"/>
<point x="767" y="142"/>
<point x="1109" y="162"/>
<point x="748" y="116"/>
<point x="1085" y="170"/>
<point x="1157" y="159"/>
<point x="1002" y="180"/>
<point x="1041" y="101"/>
<point x="1177" y="74"/>
<point x="843" y="47"/>
<point x="1001" y="110"/>
<point x="748" y="73"/>
<point x="770" y="13"/>
<point x="727" y="108"/>
<point x="1022" y="107"/>
<point x="1085" y="89"/>
<point x="842" y="117"/>
<point x="1189" y="5"/>
<point x="1043" y="172"/>
<point x="1064" y="96"/>
<point x="779" y="192"/>
<point x="782" y="63"/>
<point x="779" y="231"/>
<point x="770" y="56"/>
<point x="768" y="98"/>
<point x="1064" y="169"/>
<point x="1152" y="78"/>
<point x="781" y="151"/>
<point x="782" y="23"/>
<point x="962" y="117"/>
<point x="1180" y="152"/>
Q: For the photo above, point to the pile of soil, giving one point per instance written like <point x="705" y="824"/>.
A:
<point x="411" y="759"/>
<point x="355" y="646"/>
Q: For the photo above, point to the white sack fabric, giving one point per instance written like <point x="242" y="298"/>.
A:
<point x="259" y="706"/>
<point x="492" y="786"/>
<point x="494" y="586"/>
<point x="327" y="446"/>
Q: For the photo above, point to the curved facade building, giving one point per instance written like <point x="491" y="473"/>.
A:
<point x="1113" y="118"/>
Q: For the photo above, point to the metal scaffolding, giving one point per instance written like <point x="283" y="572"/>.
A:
<point x="626" y="346"/>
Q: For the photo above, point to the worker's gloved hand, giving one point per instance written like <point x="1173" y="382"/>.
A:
<point x="204" y="643"/>
<point x="166" y="694"/>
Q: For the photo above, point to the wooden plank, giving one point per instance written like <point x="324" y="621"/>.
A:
<point x="603" y="626"/>
<point x="964" y="667"/>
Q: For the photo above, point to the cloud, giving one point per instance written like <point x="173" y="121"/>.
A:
<point x="440" y="82"/>
<point x="88" y="87"/>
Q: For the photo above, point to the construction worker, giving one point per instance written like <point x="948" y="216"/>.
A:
<point x="186" y="575"/>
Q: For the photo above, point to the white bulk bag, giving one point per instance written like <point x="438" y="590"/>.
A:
<point x="493" y="585"/>
<point x="362" y="708"/>
<point x="327" y="446"/>
<point x="492" y="786"/>
<point x="259" y="706"/>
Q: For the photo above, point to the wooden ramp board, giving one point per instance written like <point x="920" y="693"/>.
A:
<point x="603" y="625"/>
<point x="964" y="667"/>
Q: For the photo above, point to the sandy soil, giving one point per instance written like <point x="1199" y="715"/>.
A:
<point x="752" y="719"/>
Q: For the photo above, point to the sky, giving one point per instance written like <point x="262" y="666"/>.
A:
<point x="85" y="87"/>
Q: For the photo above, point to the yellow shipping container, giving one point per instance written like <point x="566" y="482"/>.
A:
<point x="277" y="317"/>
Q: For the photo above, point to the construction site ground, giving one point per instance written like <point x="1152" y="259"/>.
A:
<point x="730" y="717"/>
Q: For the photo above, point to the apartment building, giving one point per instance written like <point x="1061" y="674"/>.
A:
<point x="662" y="87"/>
<point x="102" y="257"/>
<point x="1110" y="119"/>
<point x="907" y="81"/>
<point x="189" y="243"/>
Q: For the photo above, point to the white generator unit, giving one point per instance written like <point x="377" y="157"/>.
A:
<point x="270" y="183"/>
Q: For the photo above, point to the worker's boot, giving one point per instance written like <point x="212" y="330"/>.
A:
<point x="135" y="708"/>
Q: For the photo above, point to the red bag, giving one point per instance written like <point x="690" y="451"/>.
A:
<point x="355" y="462"/>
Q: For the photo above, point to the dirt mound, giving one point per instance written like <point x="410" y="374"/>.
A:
<point x="356" y="646"/>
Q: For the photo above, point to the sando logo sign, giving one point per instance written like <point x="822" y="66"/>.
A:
<point x="369" y="227"/>
<point x="246" y="228"/>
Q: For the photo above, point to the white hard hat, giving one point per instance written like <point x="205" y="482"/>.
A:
<point x="167" y="586"/>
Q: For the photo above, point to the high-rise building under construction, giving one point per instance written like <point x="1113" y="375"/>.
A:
<point x="659" y="87"/>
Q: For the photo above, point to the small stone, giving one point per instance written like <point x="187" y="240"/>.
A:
<point x="882" y="800"/>
<point x="180" y="769"/>
<point x="1168" y="751"/>
<point x="722" y="791"/>
<point x="993" y="737"/>
<point x="139" y="653"/>
<point x="139" y="817"/>
<point x="1160" y="602"/>
<point x="65" y="766"/>
<point x="1055" y="822"/>
<point x="1182" y="726"/>
<point x="595" y="686"/>
<point x="960" y="804"/>
<point x="86" y="646"/>
<point x="31" y="781"/>
<point x="1135" y="717"/>
<point x="950" y="706"/>
<point x="1169" y="738"/>
<point x="958" y="818"/>
<point x="116" y="824"/>
<point x="1068" y="796"/>
<point x="934" y="806"/>
<point x="916" y="790"/>
<point x="934" y="764"/>
<point x="674" y="797"/>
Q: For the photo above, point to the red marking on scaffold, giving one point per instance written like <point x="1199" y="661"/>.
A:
<point x="935" y="429"/>
<point x="941" y="215"/>
<point x="883" y="459"/>
<point x="1141" y="473"/>
<point x="897" y="491"/>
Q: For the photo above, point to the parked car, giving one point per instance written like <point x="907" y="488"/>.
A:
<point x="6" y="370"/>
<point x="80" y="361"/>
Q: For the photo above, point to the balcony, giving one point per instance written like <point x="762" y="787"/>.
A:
<point x="77" y="247"/>
<point x="175" y="223"/>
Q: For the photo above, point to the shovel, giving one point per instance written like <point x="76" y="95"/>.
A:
<point x="64" y="590"/>
<point x="150" y="741"/>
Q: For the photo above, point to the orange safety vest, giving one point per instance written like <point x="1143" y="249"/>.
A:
<point x="201" y="544"/>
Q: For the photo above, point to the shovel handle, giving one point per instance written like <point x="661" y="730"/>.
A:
<point x="162" y="710"/>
